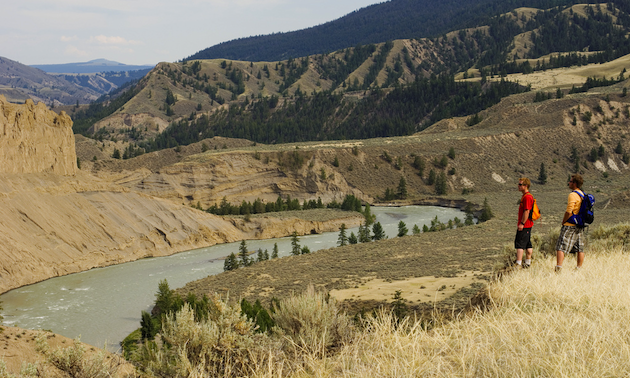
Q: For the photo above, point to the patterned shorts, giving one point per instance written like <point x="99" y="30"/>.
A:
<point x="570" y="240"/>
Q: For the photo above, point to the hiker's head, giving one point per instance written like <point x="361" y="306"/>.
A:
<point x="524" y="181"/>
<point x="577" y="180"/>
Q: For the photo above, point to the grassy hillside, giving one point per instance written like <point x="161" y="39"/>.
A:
<point x="376" y="90"/>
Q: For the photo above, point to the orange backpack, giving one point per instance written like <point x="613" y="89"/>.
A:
<point x="535" y="213"/>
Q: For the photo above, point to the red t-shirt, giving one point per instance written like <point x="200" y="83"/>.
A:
<point x="527" y="203"/>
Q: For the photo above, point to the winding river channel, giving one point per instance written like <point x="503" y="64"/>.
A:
<point x="102" y="306"/>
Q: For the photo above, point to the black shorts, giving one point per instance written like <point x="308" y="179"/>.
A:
<point x="523" y="239"/>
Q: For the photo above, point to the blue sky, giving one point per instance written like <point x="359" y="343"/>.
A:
<point x="148" y="31"/>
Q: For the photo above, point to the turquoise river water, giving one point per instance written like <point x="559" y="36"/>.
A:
<point x="102" y="306"/>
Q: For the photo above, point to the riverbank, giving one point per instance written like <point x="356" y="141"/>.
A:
<point x="58" y="225"/>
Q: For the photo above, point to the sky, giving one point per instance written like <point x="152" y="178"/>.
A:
<point x="140" y="32"/>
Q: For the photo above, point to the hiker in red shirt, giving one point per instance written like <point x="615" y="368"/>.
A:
<point x="522" y="241"/>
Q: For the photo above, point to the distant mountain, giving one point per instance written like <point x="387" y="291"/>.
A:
<point x="104" y="82"/>
<point x="395" y="19"/>
<point x="93" y="66"/>
<point x="19" y="82"/>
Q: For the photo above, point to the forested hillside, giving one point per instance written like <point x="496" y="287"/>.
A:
<point x="374" y="90"/>
<point x="395" y="19"/>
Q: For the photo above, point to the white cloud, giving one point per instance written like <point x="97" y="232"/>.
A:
<point x="69" y="39"/>
<point x="104" y="40"/>
<point x="75" y="51"/>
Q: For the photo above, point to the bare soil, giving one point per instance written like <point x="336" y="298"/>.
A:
<point x="18" y="348"/>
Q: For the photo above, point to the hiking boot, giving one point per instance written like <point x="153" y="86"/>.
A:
<point x="526" y="266"/>
<point x="558" y="269"/>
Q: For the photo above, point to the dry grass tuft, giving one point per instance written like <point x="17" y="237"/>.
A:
<point x="312" y="323"/>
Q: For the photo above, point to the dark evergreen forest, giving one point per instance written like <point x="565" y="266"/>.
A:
<point x="395" y="19"/>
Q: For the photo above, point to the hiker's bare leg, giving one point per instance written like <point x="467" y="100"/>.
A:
<point x="580" y="259"/>
<point x="559" y="258"/>
<point x="530" y="251"/>
<point x="519" y="254"/>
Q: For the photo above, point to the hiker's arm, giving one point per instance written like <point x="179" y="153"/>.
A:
<point x="567" y="215"/>
<point x="524" y="219"/>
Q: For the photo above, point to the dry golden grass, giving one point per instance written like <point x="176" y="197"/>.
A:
<point x="574" y="324"/>
<point x="567" y="77"/>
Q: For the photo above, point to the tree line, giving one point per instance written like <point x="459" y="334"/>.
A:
<point x="349" y="203"/>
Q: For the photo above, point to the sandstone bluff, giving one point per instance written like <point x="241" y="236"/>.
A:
<point x="56" y="219"/>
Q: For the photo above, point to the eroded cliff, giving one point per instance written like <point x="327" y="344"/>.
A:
<point x="34" y="139"/>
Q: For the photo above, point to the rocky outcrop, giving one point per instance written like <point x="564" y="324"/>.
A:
<point x="34" y="139"/>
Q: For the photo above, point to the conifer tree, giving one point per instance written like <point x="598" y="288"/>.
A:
<point x="367" y="214"/>
<point x="486" y="212"/>
<point x="242" y="254"/>
<point x="431" y="178"/>
<point x="418" y="163"/>
<point x="148" y="328"/>
<point x="542" y="174"/>
<point x="402" y="229"/>
<point x="164" y="297"/>
<point x="353" y="238"/>
<point x="619" y="148"/>
<point x="274" y="253"/>
<point x="444" y="161"/>
<point x="342" y="240"/>
<point x="451" y="153"/>
<point x="295" y="246"/>
<point x="364" y="234"/>
<point x="440" y="184"/>
<point x="377" y="230"/>
<point x="230" y="263"/>
<point x="402" y="188"/>
<point x="415" y="230"/>
<point x="389" y="194"/>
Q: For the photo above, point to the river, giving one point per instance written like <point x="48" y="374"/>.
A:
<point x="102" y="306"/>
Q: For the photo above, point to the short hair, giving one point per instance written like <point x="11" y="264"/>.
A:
<point x="525" y="181"/>
<point x="577" y="180"/>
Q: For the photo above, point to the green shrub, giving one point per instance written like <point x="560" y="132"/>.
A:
<point x="610" y="238"/>
<point x="224" y="344"/>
